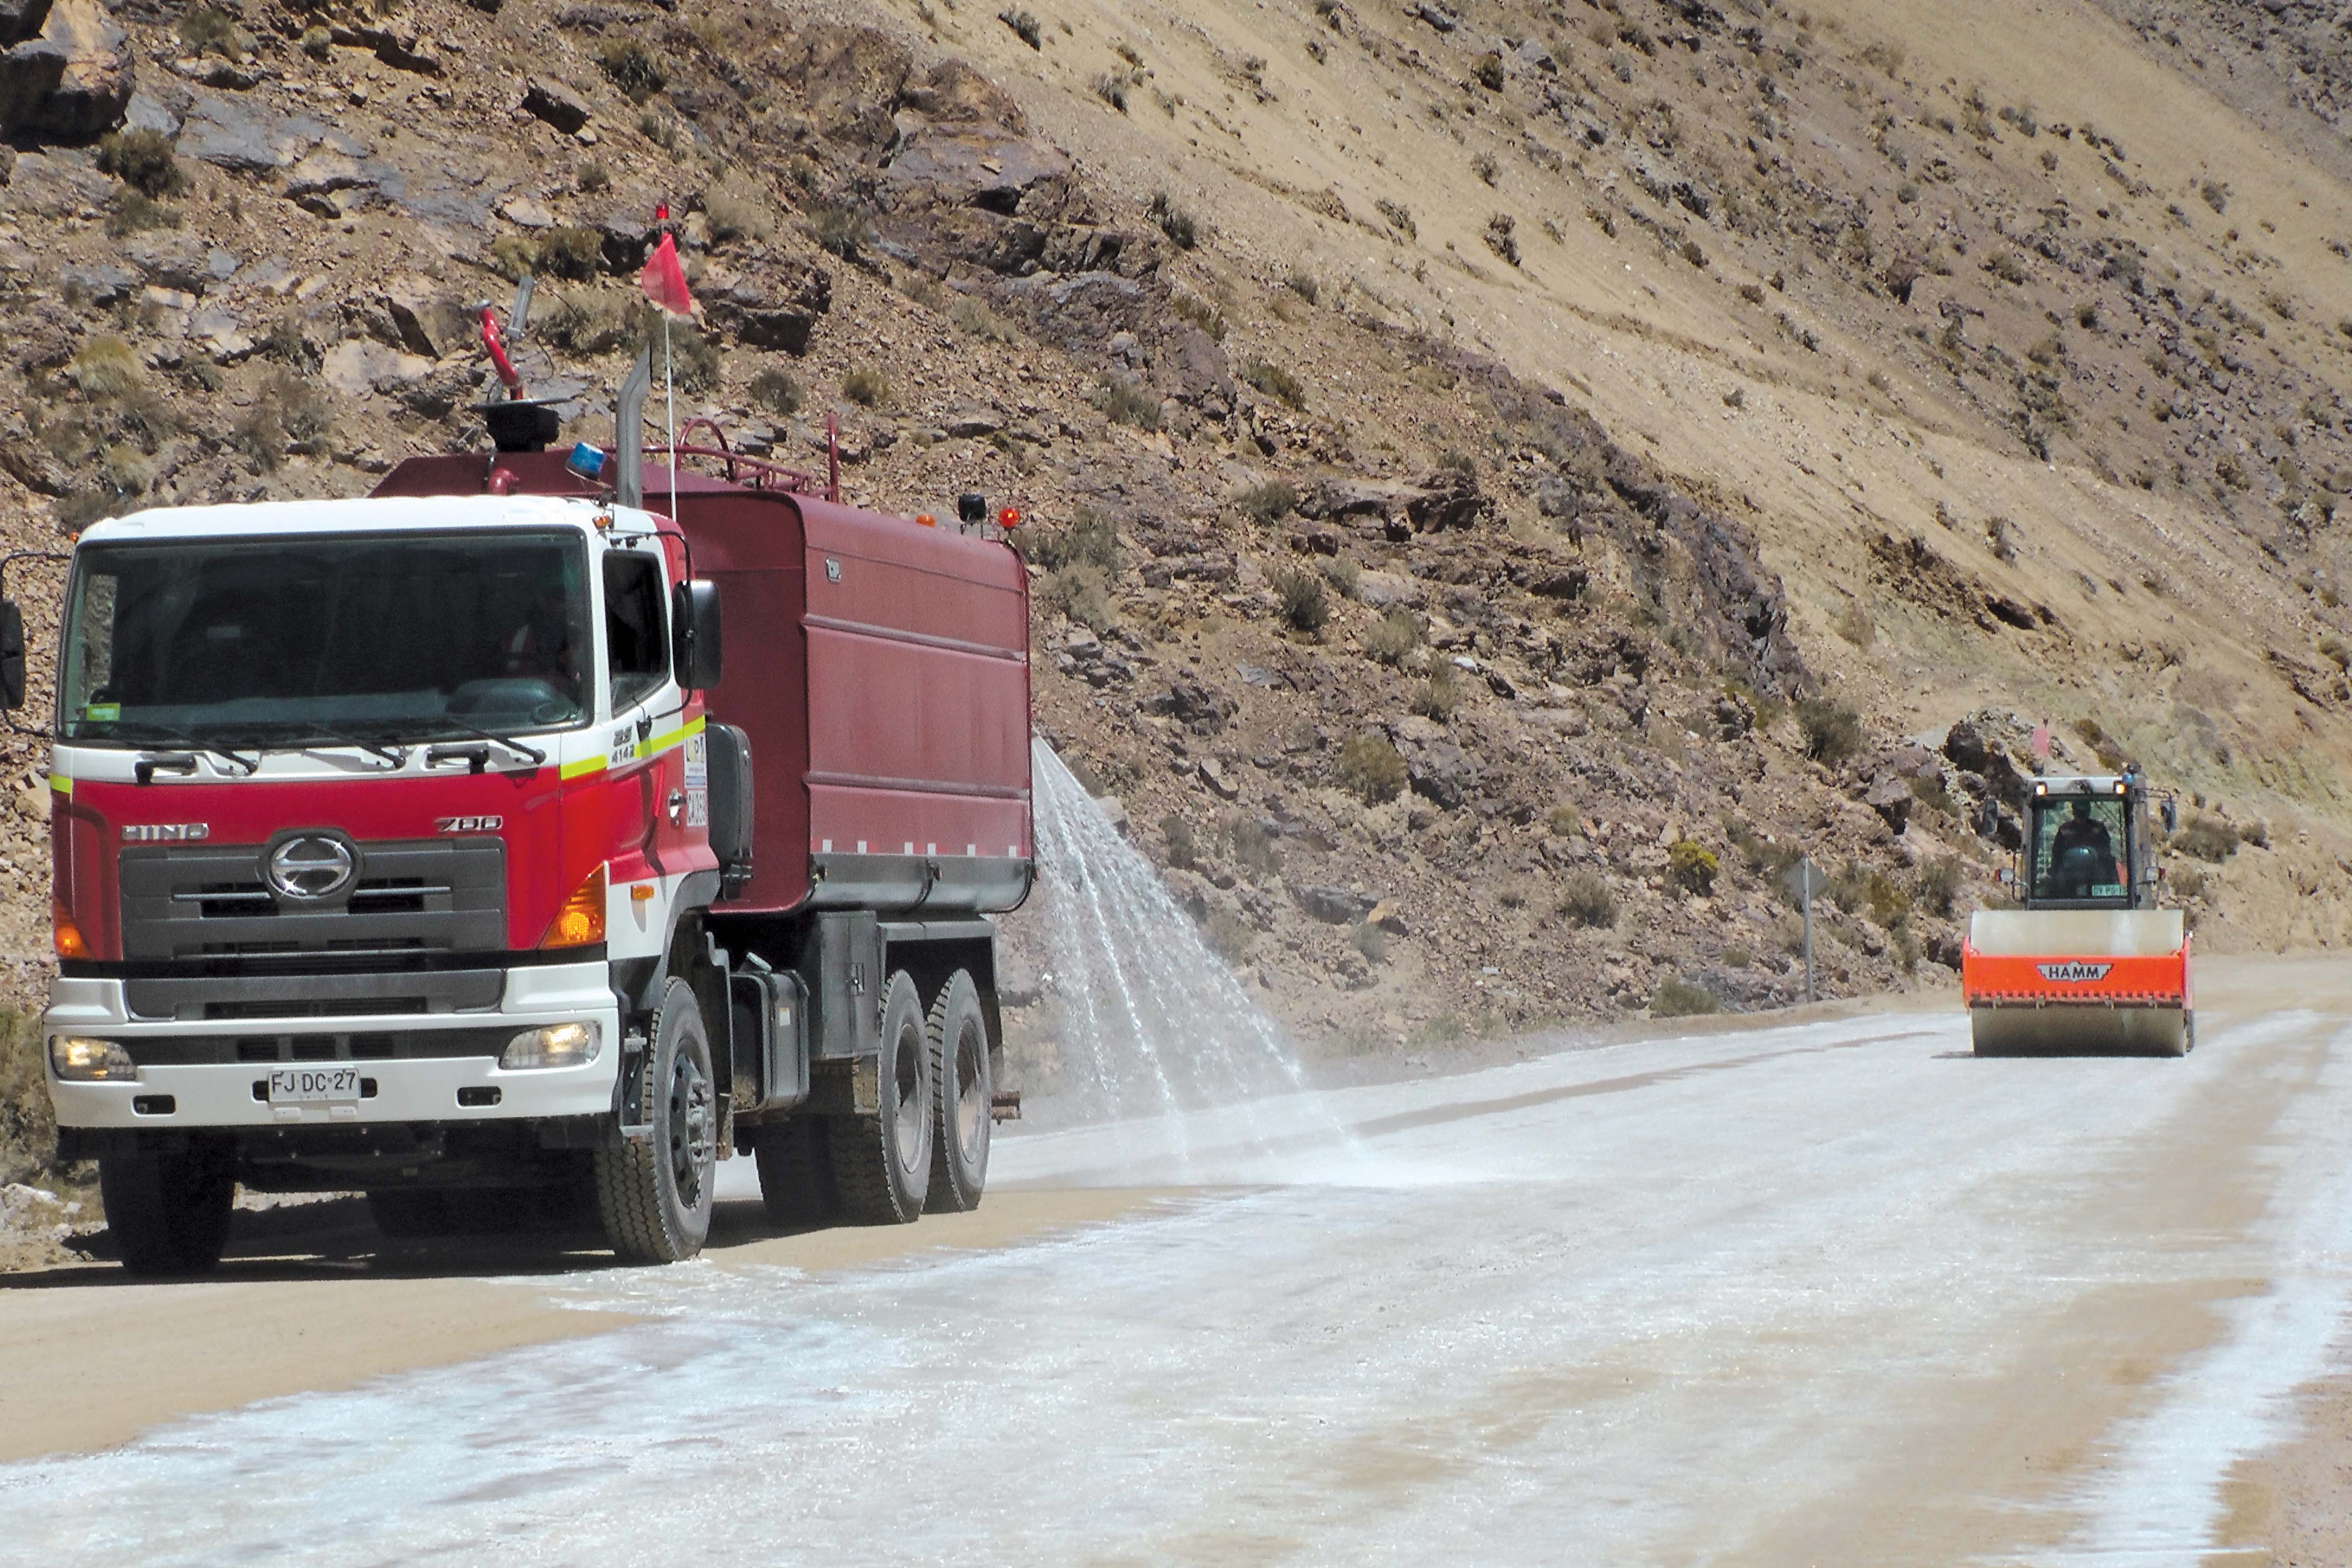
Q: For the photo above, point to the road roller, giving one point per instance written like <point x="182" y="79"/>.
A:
<point x="2086" y="962"/>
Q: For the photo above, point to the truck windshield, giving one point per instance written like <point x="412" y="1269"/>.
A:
<point x="324" y="639"/>
<point x="2079" y="848"/>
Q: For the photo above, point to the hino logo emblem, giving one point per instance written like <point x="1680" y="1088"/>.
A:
<point x="310" y="868"/>
<point x="2074" y="971"/>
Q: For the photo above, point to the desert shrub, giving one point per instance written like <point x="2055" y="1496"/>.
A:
<point x="1305" y="606"/>
<point x="1111" y="90"/>
<point x="135" y="212"/>
<point x="1024" y="27"/>
<point x="1226" y="936"/>
<point x="1342" y="574"/>
<point x="318" y="41"/>
<point x="106" y="368"/>
<point x="1890" y="906"/>
<point x="1372" y="769"/>
<point x="577" y="254"/>
<point x="2207" y="838"/>
<point x="974" y="318"/>
<point x="1855" y="625"/>
<point x="1399" y="217"/>
<point x="592" y="175"/>
<point x="1304" y="285"/>
<point x="866" y="386"/>
<point x="1438" y="695"/>
<point x="736" y="215"/>
<point x="1175" y="222"/>
<point x="1678" y="998"/>
<point x="1585" y="901"/>
<point x="2257" y="833"/>
<point x="1500" y="238"/>
<point x="1183" y="848"/>
<point x="1396" y="634"/>
<point x="1079" y="593"/>
<point x="1089" y="539"/>
<point x="1274" y="382"/>
<point x="2215" y="194"/>
<point x="777" y="391"/>
<point x="1832" y="730"/>
<point x="1564" y="821"/>
<point x="1902" y="943"/>
<point x="2103" y="745"/>
<point x="1268" y="502"/>
<point x="2188" y="882"/>
<point x="1126" y="401"/>
<point x="1253" y="848"/>
<point x="1486" y="70"/>
<point x="1692" y="866"/>
<point x="1485" y="168"/>
<point x="142" y="159"/>
<point x="1737" y="958"/>
<point x="1939" y="883"/>
<point x="2332" y="646"/>
<point x="1373" y="943"/>
<point x="1192" y="308"/>
<point x="841" y="230"/>
<point x="630" y="67"/>
<point x="207" y="31"/>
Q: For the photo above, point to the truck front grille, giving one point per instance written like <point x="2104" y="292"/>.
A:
<point x="201" y="1050"/>
<point x="209" y="900"/>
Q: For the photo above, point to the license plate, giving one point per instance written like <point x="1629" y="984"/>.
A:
<point x="313" y="1086"/>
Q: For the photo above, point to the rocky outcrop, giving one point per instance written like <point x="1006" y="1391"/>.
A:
<point x="770" y="305"/>
<point x="72" y="81"/>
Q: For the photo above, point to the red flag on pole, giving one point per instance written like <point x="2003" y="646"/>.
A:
<point x="664" y="280"/>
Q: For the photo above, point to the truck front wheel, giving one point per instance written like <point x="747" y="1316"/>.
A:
<point x="654" y="1196"/>
<point x="168" y="1213"/>
<point x="965" y="1090"/>
<point x="882" y="1164"/>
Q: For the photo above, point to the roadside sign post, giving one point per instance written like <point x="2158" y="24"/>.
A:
<point x="1805" y="878"/>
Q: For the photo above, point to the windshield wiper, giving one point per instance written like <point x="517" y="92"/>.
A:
<point x="146" y="768"/>
<point x="391" y="750"/>
<point x="432" y="754"/>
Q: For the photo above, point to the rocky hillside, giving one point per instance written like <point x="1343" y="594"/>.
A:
<point x="1505" y="479"/>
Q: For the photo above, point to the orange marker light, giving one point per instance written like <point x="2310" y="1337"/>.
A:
<point x="580" y="921"/>
<point x="927" y="519"/>
<point x="641" y="893"/>
<point x="1009" y="517"/>
<point x="67" y="937"/>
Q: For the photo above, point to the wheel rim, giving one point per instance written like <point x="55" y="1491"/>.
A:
<point x="690" y="1142"/>
<point x="971" y="1094"/>
<point x="907" y="1089"/>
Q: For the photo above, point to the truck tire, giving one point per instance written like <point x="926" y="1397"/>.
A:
<point x="882" y="1164"/>
<point x="963" y="1091"/>
<point x="168" y="1213"/>
<point x="795" y="1173"/>
<point x="654" y="1196"/>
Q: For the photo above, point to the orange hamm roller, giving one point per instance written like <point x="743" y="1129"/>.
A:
<point x="2088" y="962"/>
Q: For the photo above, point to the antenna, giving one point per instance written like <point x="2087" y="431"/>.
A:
<point x="629" y="430"/>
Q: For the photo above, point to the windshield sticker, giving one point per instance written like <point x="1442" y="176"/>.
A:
<point x="697" y="760"/>
<point x="103" y="713"/>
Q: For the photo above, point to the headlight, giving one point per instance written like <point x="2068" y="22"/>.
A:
<point x="78" y="1060"/>
<point x="557" y="1046"/>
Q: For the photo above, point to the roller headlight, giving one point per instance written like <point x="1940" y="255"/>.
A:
<point x="78" y="1060"/>
<point x="556" y="1046"/>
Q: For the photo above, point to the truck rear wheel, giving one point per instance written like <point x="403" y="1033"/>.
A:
<point x="654" y="1196"/>
<point x="795" y="1173"/>
<point x="168" y="1213"/>
<point x="964" y="1088"/>
<point x="882" y="1164"/>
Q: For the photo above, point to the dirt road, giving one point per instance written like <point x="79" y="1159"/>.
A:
<point x="1830" y="1292"/>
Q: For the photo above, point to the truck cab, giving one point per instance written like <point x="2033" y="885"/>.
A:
<point x="401" y="844"/>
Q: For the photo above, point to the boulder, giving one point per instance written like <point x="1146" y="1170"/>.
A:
<point x="408" y="301"/>
<point x="1201" y="708"/>
<point x="21" y="19"/>
<point x="170" y="259"/>
<point x="1449" y="499"/>
<point x="549" y="99"/>
<point x="1890" y="797"/>
<point x="358" y="366"/>
<point x="72" y="82"/>
<point x="776" y="306"/>
<point x="982" y="166"/>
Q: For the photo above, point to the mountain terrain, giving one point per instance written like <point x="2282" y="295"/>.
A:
<point x="1502" y="480"/>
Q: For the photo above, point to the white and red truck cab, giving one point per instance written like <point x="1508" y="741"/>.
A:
<point x="404" y="844"/>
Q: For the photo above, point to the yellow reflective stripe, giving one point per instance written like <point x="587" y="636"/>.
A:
<point x="62" y="784"/>
<point x="576" y="768"/>
<point x="676" y="737"/>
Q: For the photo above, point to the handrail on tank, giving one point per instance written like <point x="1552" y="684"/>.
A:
<point x="757" y="472"/>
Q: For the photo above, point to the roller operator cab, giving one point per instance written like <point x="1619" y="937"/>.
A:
<point x="2086" y="959"/>
<point x="404" y="844"/>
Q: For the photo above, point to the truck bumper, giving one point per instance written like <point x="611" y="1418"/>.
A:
<point x="213" y="1074"/>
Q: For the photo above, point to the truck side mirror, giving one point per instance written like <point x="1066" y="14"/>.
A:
<point x="696" y="641"/>
<point x="12" y="654"/>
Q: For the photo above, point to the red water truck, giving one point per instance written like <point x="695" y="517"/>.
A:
<point x="406" y="844"/>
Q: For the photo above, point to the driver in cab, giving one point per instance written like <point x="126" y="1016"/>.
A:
<point x="2081" y="831"/>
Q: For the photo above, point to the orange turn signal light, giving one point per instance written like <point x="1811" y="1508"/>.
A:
<point x="65" y="935"/>
<point x="927" y="519"/>
<point x="580" y="921"/>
